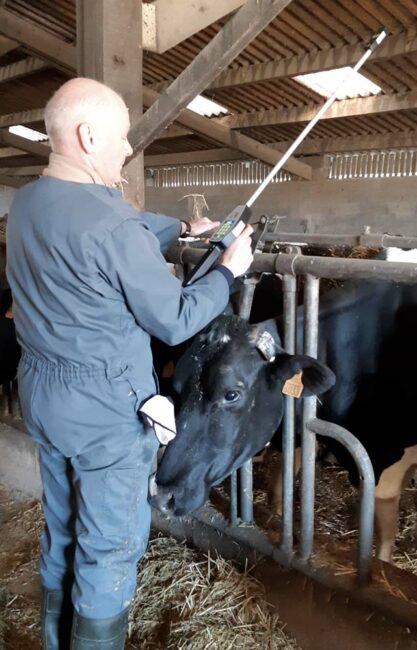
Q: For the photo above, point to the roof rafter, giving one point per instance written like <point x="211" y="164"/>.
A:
<point x="38" y="41"/>
<point x="16" y="141"/>
<point x="348" y="55"/>
<point x="21" y="68"/>
<point x="7" y="45"/>
<point x="236" y="34"/>
<point x="226" y="136"/>
<point x="24" y="117"/>
<point x="312" y="146"/>
<point x="64" y="55"/>
<point x="342" y="108"/>
<point x="12" y="181"/>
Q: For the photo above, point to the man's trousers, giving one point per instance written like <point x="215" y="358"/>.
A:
<point x="95" y="459"/>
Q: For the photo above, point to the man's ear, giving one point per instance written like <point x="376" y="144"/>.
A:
<point x="86" y="138"/>
<point x="316" y="377"/>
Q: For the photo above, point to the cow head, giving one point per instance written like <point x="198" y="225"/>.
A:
<point x="230" y="384"/>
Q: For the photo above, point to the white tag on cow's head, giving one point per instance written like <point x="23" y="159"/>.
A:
<point x="266" y="346"/>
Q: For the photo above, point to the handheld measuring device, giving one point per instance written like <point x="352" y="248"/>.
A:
<point x="221" y="239"/>
<point x="235" y="222"/>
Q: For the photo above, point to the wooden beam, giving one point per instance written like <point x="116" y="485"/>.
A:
<point x="232" y="139"/>
<point x="7" y="45"/>
<point x="312" y="146"/>
<point x="38" y="41"/>
<point x="25" y="117"/>
<point x="199" y="124"/>
<point x="356" y="143"/>
<point x="25" y="160"/>
<point x="36" y="148"/>
<point x="173" y="131"/>
<point x="109" y="50"/>
<point x="7" y="152"/>
<point x="21" y="68"/>
<point x="306" y="63"/>
<point x="191" y="157"/>
<point x="343" y="108"/>
<point x="32" y="170"/>
<point x="176" y="20"/>
<point x="238" y="32"/>
<point x="12" y="181"/>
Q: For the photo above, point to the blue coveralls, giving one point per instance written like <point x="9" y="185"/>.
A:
<point x="90" y="286"/>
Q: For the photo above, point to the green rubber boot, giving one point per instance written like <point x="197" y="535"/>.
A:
<point x="99" y="634"/>
<point x="56" y="619"/>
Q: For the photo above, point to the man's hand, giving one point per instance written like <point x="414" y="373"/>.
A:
<point x="203" y="225"/>
<point x="238" y="257"/>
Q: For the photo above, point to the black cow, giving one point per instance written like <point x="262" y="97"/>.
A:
<point x="231" y="399"/>
<point x="9" y="348"/>
<point x="230" y="384"/>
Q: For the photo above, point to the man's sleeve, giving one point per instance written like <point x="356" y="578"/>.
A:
<point x="130" y="260"/>
<point x="166" y="229"/>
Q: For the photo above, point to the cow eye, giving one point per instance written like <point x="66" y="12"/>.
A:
<point x="232" y="396"/>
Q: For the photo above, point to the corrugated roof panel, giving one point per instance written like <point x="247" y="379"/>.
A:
<point x="305" y="26"/>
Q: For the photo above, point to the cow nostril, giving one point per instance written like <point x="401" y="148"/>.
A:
<point x="170" y="505"/>
<point x="160" y="498"/>
<point x="164" y="502"/>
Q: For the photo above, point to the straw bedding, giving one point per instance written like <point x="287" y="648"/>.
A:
<point x="185" y="600"/>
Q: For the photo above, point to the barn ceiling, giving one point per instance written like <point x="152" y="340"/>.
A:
<point x="264" y="100"/>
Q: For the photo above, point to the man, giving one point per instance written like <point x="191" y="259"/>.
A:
<point x="90" y="286"/>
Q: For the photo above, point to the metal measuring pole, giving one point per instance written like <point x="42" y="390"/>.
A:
<point x="377" y="40"/>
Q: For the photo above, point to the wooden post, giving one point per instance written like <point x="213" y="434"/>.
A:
<point x="109" y="49"/>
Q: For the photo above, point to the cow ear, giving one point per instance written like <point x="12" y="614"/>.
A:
<point x="316" y="377"/>
<point x="266" y="339"/>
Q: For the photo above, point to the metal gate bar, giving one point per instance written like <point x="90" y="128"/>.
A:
<point x="289" y="287"/>
<point x="365" y="239"/>
<point x="244" y="474"/>
<point x="308" y="444"/>
<point x="366" y="491"/>
<point x="322" y="267"/>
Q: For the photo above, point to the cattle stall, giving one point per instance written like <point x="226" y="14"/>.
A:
<point x="290" y="264"/>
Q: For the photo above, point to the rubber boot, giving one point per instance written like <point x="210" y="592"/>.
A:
<point x="99" y="634"/>
<point x="56" y="619"/>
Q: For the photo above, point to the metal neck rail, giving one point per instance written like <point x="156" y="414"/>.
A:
<point x="321" y="267"/>
<point x="377" y="240"/>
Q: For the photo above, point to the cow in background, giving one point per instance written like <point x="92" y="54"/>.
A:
<point x="9" y="354"/>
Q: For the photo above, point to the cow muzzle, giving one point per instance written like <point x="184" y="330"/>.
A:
<point x="160" y="498"/>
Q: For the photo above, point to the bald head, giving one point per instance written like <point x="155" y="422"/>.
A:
<point x="78" y="100"/>
<point x="88" y="121"/>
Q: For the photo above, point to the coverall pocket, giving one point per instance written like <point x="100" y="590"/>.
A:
<point x="124" y="382"/>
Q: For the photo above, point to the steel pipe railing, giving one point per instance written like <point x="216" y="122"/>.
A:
<point x="243" y="476"/>
<point x="322" y="267"/>
<point x="366" y="493"/>
<point x="289" y="287"/>
<point x="366" y="239"/>
<point x="308" y="443"/>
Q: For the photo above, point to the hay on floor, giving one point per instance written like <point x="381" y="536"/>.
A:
<point x="189" y="601"/>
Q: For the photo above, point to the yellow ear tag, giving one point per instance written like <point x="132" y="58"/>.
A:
<point x="293" y="387"/>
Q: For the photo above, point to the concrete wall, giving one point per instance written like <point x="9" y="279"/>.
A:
<point x="386" y="205"/>
<point x="6" y="195"/>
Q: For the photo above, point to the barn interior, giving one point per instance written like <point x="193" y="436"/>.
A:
<point x="352" y="177"/>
